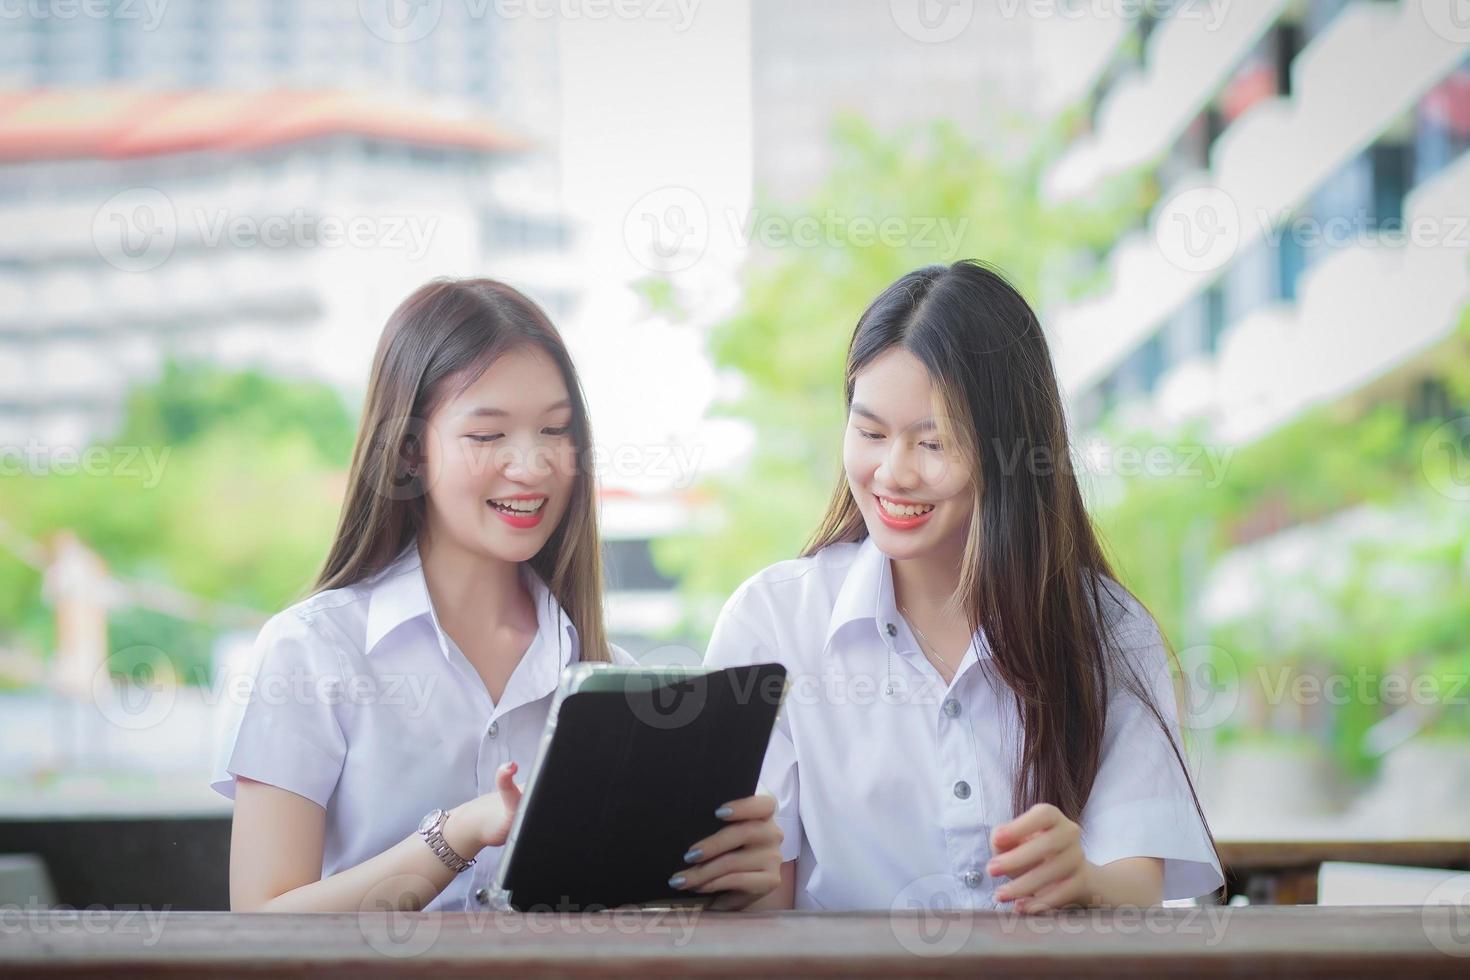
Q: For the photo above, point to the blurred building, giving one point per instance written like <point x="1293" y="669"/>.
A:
<point x="1310" y="248"/>
<point x="1311" y="240"/>
<point x="257" y="182"/>
<point x="814" y="61"/>
<point x="452" y="51"/>
<point x="271" y="229"/>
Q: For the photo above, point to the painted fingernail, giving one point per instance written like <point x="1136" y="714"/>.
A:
<point x="692" y="855"/>
<point x="724" y="813"/>
<point x="1003" y="895"/>
<point x="677" y="881"/>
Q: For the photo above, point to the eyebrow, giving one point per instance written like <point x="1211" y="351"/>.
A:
<point x="487" y="411"/>
<point x="923" y="425"/>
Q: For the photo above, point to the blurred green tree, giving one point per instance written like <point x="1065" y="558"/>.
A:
<point x="222" y="484"/>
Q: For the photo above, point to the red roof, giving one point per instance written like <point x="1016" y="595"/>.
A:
<point x="50" y="124"/>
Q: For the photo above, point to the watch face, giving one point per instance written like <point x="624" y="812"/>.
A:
<point x="431" y="818"/>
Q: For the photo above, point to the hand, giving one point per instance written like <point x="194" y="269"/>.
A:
<point x="742" y="861"/>
<point x="1041" y="852"/>
<point x="489" y="816"/>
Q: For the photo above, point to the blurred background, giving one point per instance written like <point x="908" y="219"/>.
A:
<point x="1246" y="224"/>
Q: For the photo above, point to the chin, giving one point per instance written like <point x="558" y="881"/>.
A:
<point x="897" y="544"/>
<point x="519" y="550"/>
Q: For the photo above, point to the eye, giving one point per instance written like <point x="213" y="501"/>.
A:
<point x="556" y="430"/>
<point x="482" y="437"/>
<point x="933" y="447"/>
<point x="870" y="435"/>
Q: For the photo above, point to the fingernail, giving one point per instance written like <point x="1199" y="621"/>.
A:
<point x="990" y="868"/>
<point x="692" y="855"/>
<point x="1003" y="895"/>
<point x="724" y="813"/>
<point x="677" y="881"/>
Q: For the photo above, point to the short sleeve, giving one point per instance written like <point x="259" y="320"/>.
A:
<point x="735" y="642"/>
<point x="280" y="726"/>
<point x="1141" y="804"/>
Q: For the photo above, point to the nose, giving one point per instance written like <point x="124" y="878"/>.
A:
<point x="523" y="461"/>
<point x="897" y="469"/>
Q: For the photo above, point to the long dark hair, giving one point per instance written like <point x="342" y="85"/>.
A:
<point x="1033" y="575"/>
<point x="445" y="335"/>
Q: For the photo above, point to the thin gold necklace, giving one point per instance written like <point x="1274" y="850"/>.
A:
<point x="942" y="664"/>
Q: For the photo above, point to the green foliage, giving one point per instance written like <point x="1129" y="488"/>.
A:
<point x="1388" y="602"/>
<point x="192" y="400"/>
<point x="222" y="484"/>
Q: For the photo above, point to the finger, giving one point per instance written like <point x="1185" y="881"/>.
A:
<point x="1024" y="857"/>
<point x="731" y="901"/>
<point x="747" y="833"/>
<point x="1068" y="891"/>
<point x="696" y="879"/>
<point x="762" y="806"/>
<point x="1037" y="878"/>
<point x="1039" y="818"/>
<point x="510" y="793"/>
<point x="744" y="888"/>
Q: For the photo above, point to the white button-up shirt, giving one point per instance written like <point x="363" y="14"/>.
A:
<point x="360" y="702"/>
<point x="887" y="800"/>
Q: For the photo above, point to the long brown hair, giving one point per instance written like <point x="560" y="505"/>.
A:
<point x="1033" y="575"/>
<point x="438" y="341"/>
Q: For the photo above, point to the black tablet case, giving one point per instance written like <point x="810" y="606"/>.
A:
<point x="631" y="781"/>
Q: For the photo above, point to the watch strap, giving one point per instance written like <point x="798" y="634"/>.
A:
<point x="434" y="837"/>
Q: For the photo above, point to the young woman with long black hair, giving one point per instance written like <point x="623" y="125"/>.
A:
<point x="979" y="713"/>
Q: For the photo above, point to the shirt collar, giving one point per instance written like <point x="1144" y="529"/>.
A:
<point x="399" y="594"/>
<point x="866" y="597"/>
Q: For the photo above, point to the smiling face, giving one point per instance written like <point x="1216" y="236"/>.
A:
<point x="502" y="458"/>
<point x="913" y="489"/>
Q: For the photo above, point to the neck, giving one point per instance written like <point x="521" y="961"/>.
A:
<point x="925" y="585"/>
<point x="466" y="587"/>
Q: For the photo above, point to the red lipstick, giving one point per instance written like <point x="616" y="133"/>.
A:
<point x="520" y="521"/>
<point x="901" y="523"/>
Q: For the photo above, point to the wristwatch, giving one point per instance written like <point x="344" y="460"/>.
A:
<point x="431" y="829"/>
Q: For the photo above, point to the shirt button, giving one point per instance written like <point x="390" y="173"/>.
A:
<point x="494" y="729"/>
<point x="972" y="878"/>
<point x="892" y="629"/>
<point x="962" y="790"/>
<point x="483" y="896"/>
<point x="951" y="707"/>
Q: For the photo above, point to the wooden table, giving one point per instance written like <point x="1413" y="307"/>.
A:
<point x="1207" y="941"/>
<point x="1284" y="872"/>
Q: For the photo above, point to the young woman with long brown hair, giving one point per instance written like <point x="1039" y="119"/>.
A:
<point x="979" y="713"/>
<point x="374" y="757"/>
